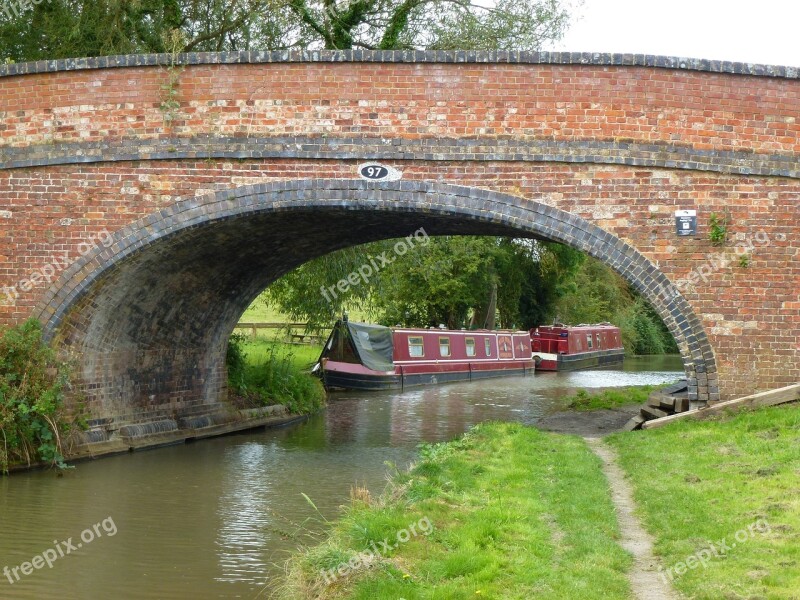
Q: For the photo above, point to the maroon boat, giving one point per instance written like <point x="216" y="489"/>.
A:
<point x="567" y="348"/>
<point x="372" y="357"/>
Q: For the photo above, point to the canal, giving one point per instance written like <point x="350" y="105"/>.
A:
<point x="218" y="518"/>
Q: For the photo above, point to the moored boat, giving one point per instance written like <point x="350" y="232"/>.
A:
<point x="372" y="357"/>
<point x="568" y="348"/>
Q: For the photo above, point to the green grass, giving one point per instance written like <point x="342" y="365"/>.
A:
<point x="515" y="513"/>
<point x="301" y="356"/>
<point x="610" y="398"/>
<point x="260" y="312"/>
<point x="697" y="483"/>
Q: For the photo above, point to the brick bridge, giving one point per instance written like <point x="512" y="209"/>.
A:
<point x="144" y="205"/>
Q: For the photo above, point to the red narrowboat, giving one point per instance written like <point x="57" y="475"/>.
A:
<point x="372" y="357"/>
<point x="567" y="348"/>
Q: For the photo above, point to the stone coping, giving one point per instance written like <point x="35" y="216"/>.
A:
<point x="520" y="57"/>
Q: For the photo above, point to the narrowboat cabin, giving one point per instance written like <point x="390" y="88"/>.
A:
<point x="568" y="348"/>
<point x="372" y="357"/>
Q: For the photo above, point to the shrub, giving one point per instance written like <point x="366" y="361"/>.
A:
<point x="273" y="377"/>
<point x="32" y="384"/>
<point x="236" y="359"/>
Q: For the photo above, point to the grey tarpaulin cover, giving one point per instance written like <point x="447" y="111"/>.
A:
<point x="373" y="344"/>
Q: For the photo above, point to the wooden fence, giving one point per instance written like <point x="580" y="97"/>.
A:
<point x="295" y="332"/>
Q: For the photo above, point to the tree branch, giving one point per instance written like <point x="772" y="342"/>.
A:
<point x="397" y="23"/>
<point x="301" y="10"/>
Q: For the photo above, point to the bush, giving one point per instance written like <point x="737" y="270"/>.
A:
<point x="236" y="359"/>
<point x="32" y="384"/>
<point x="643" y="332"/>
<point x="273" y="378"/>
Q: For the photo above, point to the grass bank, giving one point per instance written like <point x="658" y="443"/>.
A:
<point x="721" y="497"/>
<point x="504" y="512"/>
<point x="611" y="398"/>
<point x="264" y="372"/>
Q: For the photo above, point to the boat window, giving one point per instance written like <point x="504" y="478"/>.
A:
<point x="487" y="345"/>
<point x="444" y="346"/>
<point x="599" y="345"/>
<point x="589" y="341"/>
<point x="470" y="346"/>
<point x="415" y="348"/>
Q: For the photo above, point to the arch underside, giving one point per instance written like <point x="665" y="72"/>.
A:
<point x="148" y="317"/>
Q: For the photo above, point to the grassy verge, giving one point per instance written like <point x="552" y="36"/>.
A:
<point x="505" y="512"/>
<point x="263" y="372"/>
<point x="722" y="499"/>
<point x="583" y="400"/>
<point x="300" y="356"/>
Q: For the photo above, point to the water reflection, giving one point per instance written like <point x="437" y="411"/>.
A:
<point x="244" y="512"/>
<point x="216" y="519"/>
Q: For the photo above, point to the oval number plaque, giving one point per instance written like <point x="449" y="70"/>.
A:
<point x="378" y="172"/>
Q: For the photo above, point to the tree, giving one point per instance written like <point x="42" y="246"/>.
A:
<point x="432" y="24"/>
<point x="305" y="294"/>
<point x="438" y="283"/>
<point x="595" y="293"/>
<point x="71" y="28"/>
<point x="459" y="281"/>
<point x="76" y="28"/>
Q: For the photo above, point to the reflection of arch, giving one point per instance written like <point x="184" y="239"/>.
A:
<point x="150" y="315"/>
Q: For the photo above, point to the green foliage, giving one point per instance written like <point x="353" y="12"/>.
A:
<point x="433" y="24"/>
<point x="270" y="374"/>
<point x="744" y="260"/>
<point x="174" y="41"/>
<point x="462" y="281"/>
<point x="71" y="28"/>
<point x="32" y="384"/>
<point x="596" y="294"/>
<point x="642" y="330"/>
<point x="236" y="360"/>
<point x="298" y="294"/>
<point x="440" y="282"/>
<point x="717" y="229"/>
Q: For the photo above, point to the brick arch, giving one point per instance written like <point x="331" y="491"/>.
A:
<point x="150" y="314"/>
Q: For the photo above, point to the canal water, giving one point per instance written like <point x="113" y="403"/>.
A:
<point x="218" y="518"/>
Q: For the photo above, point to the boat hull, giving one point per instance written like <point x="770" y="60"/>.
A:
<point x="583" y="360"/>
<point x="344" y="376"/>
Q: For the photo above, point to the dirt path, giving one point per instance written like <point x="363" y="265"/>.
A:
<point x="646" y="582"/>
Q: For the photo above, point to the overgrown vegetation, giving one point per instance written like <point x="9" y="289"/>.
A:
<point x="174" y="41"/>
<point x="262" y="373"/>
<point x="744" y="260"/>
<point x="514" y="513"/>
<point x="717" y="229"/>
<point x="32" y="386"/>
<point x="731" y="479"/>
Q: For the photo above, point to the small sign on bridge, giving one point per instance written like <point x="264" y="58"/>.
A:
<point x="686" y="222"/>
<point x="378" y="172"/>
